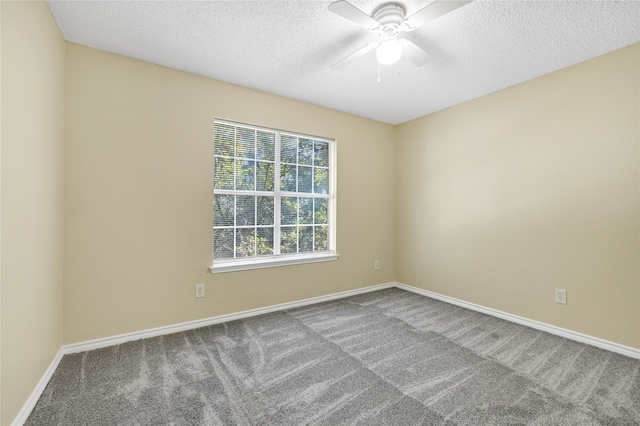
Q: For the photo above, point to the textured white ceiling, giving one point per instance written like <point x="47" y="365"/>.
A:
<point x="287" y="47"/>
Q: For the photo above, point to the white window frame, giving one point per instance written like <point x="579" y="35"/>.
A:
<point x="268" y="261"/>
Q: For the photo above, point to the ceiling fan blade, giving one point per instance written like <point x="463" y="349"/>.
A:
<point x="352" y="13"/>
<point x="431" y="12"/>
<point x="414" y="54"/>
<point x="355" y="55"/>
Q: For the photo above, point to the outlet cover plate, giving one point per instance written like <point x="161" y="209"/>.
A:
<point x="561" y="296"/>
<point x="199" y="290"/>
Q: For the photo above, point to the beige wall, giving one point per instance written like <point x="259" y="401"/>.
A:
<point x="536" y="187"/>
<point x="138" y="198"/>
<point x="33" y="55"/>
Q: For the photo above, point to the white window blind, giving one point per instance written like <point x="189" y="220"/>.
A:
<point x="273" y="197"/>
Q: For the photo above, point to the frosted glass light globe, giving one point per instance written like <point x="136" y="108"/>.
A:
<point x="389" y="51"/>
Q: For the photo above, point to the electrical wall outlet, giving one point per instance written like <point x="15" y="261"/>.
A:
<point x="561" y="296"/>
<point x="376" y="265"/>
<point x="199" y="290"/>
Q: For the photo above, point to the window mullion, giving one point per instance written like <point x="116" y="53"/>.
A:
<point x="255" y="188"/>
<point x="297" y="224"/>
<point x="276" y="196"/>
<point x="235" y="156"/>
<point x="235" y="224"/>
<point x="235" y="197"/>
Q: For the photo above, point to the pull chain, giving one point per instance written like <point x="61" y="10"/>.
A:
<point x="397" y="72"/>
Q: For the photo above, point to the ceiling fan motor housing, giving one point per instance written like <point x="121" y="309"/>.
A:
<point x="390" y="16"/>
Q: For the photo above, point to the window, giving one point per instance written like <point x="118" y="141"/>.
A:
<point x="273" y="199"/>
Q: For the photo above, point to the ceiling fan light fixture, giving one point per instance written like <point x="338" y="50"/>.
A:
<point x="388" y="21"/>
<point x="389" y="51"/>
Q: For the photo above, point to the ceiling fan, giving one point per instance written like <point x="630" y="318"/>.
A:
<point x="388" y="21"/>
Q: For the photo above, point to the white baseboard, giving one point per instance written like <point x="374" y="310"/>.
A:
<point x="175" y="328"/>
<point x="160" y="331"/>
<point x="558" y="331"/>
<point x="37" y="392"/>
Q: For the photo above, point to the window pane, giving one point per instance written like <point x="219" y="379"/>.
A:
<point x="305" y="239"/>
<point x="321" y="151"/>
<point x="245" y="174"/>
<point x="266" y="146"/>
<point x="223" y="243"/>
<point x="305" y="178"/>
<point x="306" y="210"/>
<point x="264" y="176"/>
<point x="245" y="210"/>
<point x="320" y="215"/>
<point x="245" y="242"/>
<point x="305" y="152"/>
<point x="288" y="239"/>
<point x="321" y="181"/>
<point x="264" y="245"/>
<point x="288" y="177"/>
<point x="245" y="143"/>
<point x="265" y="211"/>
<point x="223" y="210"/>
<point x="245" y="162"/>
<point x="288" y="210"/>
<point x="223" y="173"/>
<point x="223" y="140"/>
<point x="288" y="149"/>
<point x="320" y="240"/>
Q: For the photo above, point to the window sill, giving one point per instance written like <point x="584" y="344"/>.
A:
<point x="270" y="262"/>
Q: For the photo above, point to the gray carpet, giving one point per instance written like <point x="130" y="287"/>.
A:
<point x="389" y="357"/>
